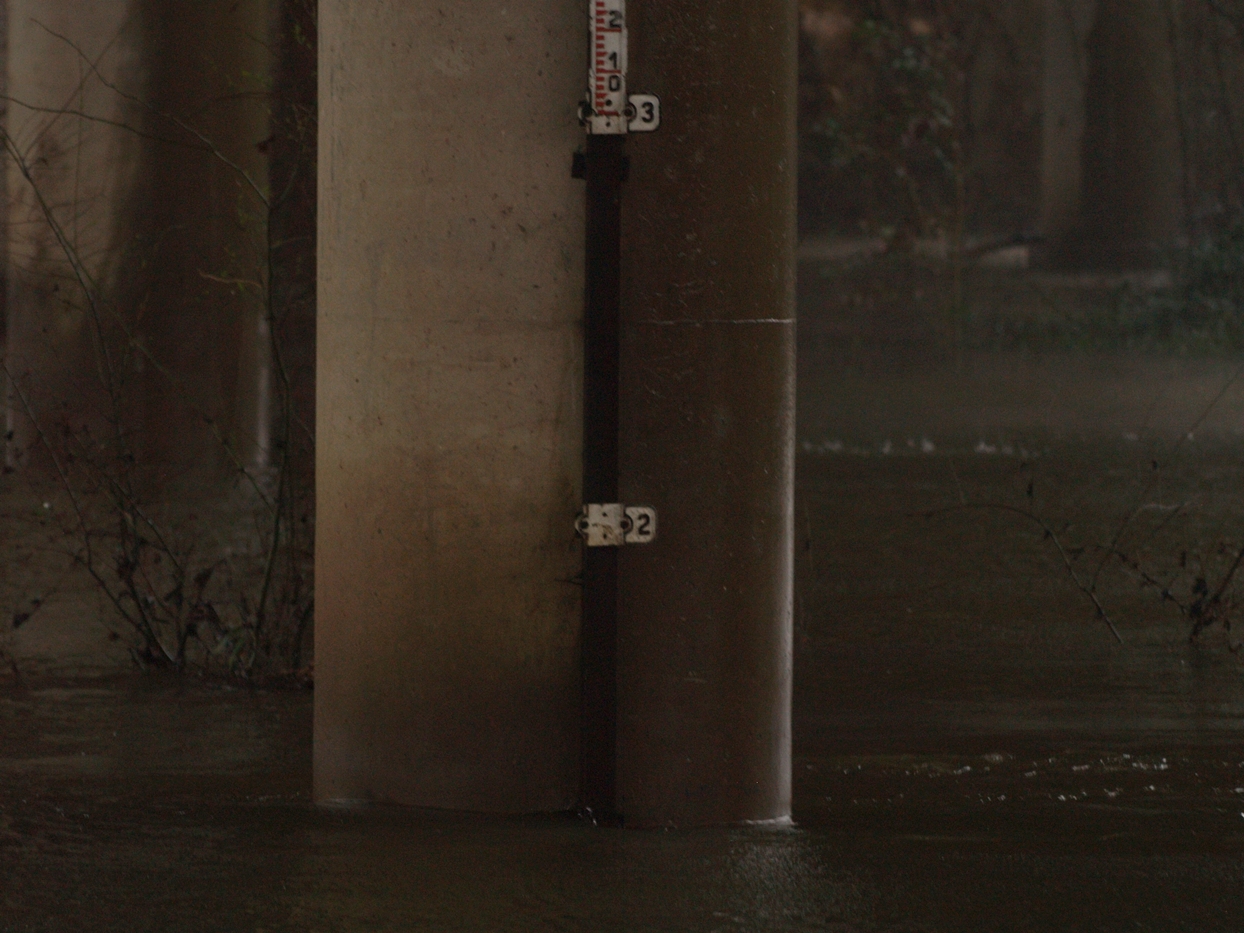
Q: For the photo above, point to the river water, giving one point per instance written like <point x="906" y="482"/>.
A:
<point x="974" y="749"/>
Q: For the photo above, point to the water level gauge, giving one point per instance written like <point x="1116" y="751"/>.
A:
<point x="607" y="70"/>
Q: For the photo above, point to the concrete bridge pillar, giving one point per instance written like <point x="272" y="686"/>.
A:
<point x="451" y="297"/>
<point x="708" y="416"/>
<point x="81" y="171"/>
<point x="450" y="300"/>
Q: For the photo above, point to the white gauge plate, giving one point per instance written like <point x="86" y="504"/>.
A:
<point x="607" y="71"/>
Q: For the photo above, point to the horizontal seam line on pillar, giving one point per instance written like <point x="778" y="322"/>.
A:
<point x="691" y="323"/>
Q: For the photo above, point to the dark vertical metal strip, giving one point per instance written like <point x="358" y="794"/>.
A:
<point x="605" y="170"/>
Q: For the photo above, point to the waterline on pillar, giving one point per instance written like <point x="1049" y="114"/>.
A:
<point x="780" y="822"/>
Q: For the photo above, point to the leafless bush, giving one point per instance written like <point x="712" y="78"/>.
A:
<point x="224" y="583"/>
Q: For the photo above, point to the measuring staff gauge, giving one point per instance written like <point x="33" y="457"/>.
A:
<point x="608" y="109"/>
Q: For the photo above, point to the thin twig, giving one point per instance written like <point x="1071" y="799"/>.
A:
<point x="137" y="585"/>
<point x="230" y="280"/>
<point x="164" y="115"/>
<point x="1164" y="589"/>
<point x="1052" y="536"/>
<point x="88" y="561"/>
<point x="90" y="289"/>
<point x="104" y="121"/>
<point x="1153" y="479"/>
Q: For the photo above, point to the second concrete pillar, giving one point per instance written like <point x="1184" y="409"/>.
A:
<point x="708" y="416"/>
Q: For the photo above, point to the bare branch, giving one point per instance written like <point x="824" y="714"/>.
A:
<point x="90" y="291"/>
<point x="104" y="121"/>
<point x="1153" y="479"/>
<point x="164" y="115"/>
<point x="1051" y="535"/>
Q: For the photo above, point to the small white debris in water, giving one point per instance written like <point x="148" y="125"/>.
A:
<point x="1150" y="787"/>
<point x="47" y="505"/>
<point x="1080" y="767"/>
<point x="887" y="448"/>
<point x="983" y="448"/>
<point x="824" y="447"/>
<point x="1129" y="436"/>
<point x="1030" y="774"/>
<point x="926" y="446"/>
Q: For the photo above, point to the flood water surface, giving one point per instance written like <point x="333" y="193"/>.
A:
<point x="128" y="805"/>
<point x="975" y="750"/>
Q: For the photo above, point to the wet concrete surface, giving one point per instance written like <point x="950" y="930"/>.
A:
<point x="973" y="749"/>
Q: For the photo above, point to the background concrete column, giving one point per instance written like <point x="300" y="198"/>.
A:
<point x="708" y="415"/>
<point x="200" y="258"/>
<point x="170" y="237"/>
<point x="85" y="171"/>
<point x="448" y="403"/>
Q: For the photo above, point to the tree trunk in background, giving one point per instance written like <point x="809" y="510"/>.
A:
<point x="1065" y="71"/>
<point x="1112" y="161"/>
<point x="1132" y="163"/>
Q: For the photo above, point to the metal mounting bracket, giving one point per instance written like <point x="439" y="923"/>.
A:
<point x="612" y="524"/>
